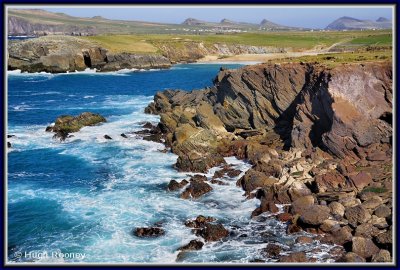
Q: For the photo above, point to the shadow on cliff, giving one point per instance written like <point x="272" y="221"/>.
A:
<point x="311" y="110"/>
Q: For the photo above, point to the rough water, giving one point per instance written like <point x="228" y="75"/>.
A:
<point x="78" y="201"/>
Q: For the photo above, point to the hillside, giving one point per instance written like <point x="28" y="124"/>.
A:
<point x="348" y="23"/>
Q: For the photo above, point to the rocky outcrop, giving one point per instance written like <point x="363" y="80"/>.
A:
<point x="57" y="54"/>
<point x="307" y="105"/>
<point x="68" y="124"/>
<point x="318" y="138"/>
<point x="190" y="51"/>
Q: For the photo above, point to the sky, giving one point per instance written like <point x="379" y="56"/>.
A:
<point x="302" y="16"/>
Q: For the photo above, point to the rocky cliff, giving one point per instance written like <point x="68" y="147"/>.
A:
<point x="318" y="138"/>
<point x="190" y="51"/>
<point x="62" y="53"/>
<point x="343" y="110"/>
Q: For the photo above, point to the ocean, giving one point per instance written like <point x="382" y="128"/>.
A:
<point x="82" y="198"/>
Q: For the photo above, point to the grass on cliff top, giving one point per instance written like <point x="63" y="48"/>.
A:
<point x="294" y="40"/>
<point x="124" y="43"/>
<point x="334" y="59"/>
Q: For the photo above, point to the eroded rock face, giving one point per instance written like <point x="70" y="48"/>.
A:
<point x="58" y="54"/>
<point x="306" y="105"/>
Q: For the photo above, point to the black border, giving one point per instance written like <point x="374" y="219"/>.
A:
<point x="208" y="3"/>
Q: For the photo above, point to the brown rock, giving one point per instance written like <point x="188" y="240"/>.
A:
<point x="329" y="182"/>
<point x="284" y="217"/>
<point x="272" y="250"/>
<point x="329" y="225"/>
<point x="213" y="232"/>
<point x="364" y="247"/>
<point x="351" y="257"/>
<point x="384" y="239"/>
<point x="383" y="211"/>
<point x="175" y="185"/>
<point x="294" y="257"/>
<point x="361" y="180"/>
<point x="382" y="256"/>
<point x="254" y="179"/>
<point x="366" y="230"/>
<point x="357" y="215"/>
<point x="372" y="202"/>
<point x="304" y="240"/>
<point x="199" y="221"/>
<point x="301" y="204"/>
<point x="315" y="215"/>
<point x="192" y="245"/>
<point x="196" y="189"/>
<point x="293" y="228"/>
<point x="265" y="206"/>
<point x="337" y="209"/>
<point x="148" y="232"/>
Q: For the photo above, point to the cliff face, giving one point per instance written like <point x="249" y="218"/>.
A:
<point x="61" y="53"/>
<point x="191" y="51"/>
<point x="318" y="138"/>
<point x="20" y="26"/>
<point x="345" y="111"/>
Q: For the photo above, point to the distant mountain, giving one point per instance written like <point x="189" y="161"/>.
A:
<point x="264" y="25"/>
<point x="192" y="22"/>
<point x="268" y="25"/>
<point x="349" y="23"/>
<point x="383" y="19"/>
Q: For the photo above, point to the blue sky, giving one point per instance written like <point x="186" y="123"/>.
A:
<point x="295" y="16"/>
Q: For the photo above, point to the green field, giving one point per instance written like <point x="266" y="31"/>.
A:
<point x="295" y="40"/>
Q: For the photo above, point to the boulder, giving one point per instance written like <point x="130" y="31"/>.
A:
<point x="372" y="202"/>
<point x="361" y="180"/>
<point x="192" y="245"/>
<point x="107" y="137"/>
<point x="364" y="247"/>
<point x="265" y="206"/>
<point x="196" y="189"/>
<point x="8" y="144"/>
<point x="357" y="215"/>
<point x="382" y="211"/>
<point x="174" y="185"/>
<point x="123" y="135"/>
<point x="301" y="204"/>
<point x="294" y="257"/>
<point x="284" y="217"/>
<point x="254" y="179"/>
<point x="149" y="232"/>
<point x="382" y="256"/>
<point x="212" y="232"/>
<point x="199" y="222"/>
<point x="337" y="209"/>
<point x="366" y="230"/>
<point x="351" y="257"/>
<point x="331" y="181"/>
<point x="272" y="250"/>
<point x="315" y="215"/>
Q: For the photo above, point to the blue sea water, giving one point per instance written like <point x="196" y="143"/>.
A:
<point x="85" y="195"/>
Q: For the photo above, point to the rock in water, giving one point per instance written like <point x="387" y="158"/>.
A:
<point x="68" y="124"/>
<point x="8" y="144"/>
<point x="213" y="232"/>
<point x="123" y="135"/>
<point x="196" y="189"/>
<point x="149" y="232"/>
<point x="193" y="245"/>
<point x="107" y="137"/>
